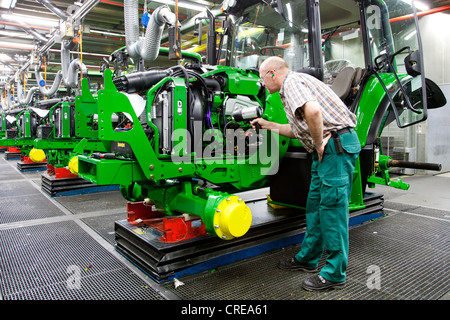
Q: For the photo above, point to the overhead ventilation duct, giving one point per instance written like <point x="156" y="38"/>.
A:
<point x="146" y="48"/>
<point x="9" y="103"/>
<point x="70" y="69"/>
<point x="68" y="75"/>
<point x="21" y="102"/>
<point x="48" y="92"/>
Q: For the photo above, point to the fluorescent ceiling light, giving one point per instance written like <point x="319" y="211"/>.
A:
<point x="16" y="34"/>
<point x="8" y="4"/>
<point x="289" y="12"/>
<point x="5" y="57"/>
<point x="410" y="35"/>
<point x="29" y="20"/>
<point x="185" y="5"/>
<point x="16" y="45"/>
<point x="419" y="5"/>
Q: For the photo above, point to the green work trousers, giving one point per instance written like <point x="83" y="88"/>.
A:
<point x="327" y="208"/>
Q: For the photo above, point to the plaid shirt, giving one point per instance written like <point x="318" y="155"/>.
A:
<point x="299" y="88"/>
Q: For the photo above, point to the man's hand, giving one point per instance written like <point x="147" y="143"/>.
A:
<point x="264" y="124"/>
<point x="320" y="149"/>
<point x="282" y="129"/>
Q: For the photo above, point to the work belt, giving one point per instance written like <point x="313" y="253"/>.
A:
<point x="337" y="139"/>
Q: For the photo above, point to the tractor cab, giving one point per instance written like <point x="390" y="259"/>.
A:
<point x="344" y="44"/>
<point x="369" y="52"/>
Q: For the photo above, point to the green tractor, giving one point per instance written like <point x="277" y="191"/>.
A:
<point x="185" y="161"/>
<point x="19" y="131"/>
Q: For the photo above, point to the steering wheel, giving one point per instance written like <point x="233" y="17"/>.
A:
<point x="262" y="49"/>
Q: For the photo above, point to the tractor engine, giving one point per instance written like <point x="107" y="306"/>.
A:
<point x="202" y="107"/>
<point x="183" y="134"/>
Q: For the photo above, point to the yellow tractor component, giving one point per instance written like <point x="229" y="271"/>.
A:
<point x="73" y="165"/>
<point x="232" y="218"/>
<point x="37" y="155"/>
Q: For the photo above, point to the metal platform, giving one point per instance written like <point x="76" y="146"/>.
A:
<point x="12" y="155"/>
<point x="47" y="243"/>
<point x="271" y="229"/>
<point x="413" y="265"/>
<point x="21" y="166"/>
<point x="70" y="186"/>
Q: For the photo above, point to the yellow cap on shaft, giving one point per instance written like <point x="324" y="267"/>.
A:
<point x="232" y="218"/>
<point x="73" y="165"/>
<point x="37" y="155"/>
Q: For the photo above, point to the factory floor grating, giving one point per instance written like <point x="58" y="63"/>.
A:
<point x="48" y="252"/>
<point x="59" y="261"/>
<point x="412" y="264"/>
<point x="63" y="249"/>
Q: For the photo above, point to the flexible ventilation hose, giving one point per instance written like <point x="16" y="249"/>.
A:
<point x="70" y="70"/>
<point x="148" y="47"/>
<point x="50" y="92"/>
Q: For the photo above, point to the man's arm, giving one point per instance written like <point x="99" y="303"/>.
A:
<point x="282" y="129"/>
<point x="314" y="120"/>
<point x="313" y="117"/>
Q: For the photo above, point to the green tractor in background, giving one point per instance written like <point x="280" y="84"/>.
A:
<point x="19" y="130"/>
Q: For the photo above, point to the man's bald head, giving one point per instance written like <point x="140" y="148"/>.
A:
<point x="272" y="72"/>
<point x="274" y="63"/>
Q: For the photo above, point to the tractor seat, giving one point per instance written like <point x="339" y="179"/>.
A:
<point x="359" y="74"/>
<point x="343" y="82"/>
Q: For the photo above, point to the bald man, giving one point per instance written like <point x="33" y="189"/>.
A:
<point x="324" y="126"/>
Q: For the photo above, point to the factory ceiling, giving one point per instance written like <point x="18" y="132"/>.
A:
<point x="35" y="25"/>
<point x="28" y="26"/>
